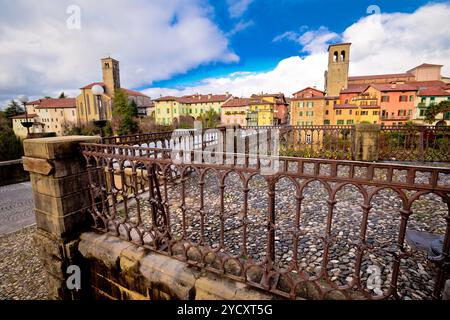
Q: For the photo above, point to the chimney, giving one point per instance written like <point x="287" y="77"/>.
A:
<point x="209" y="96"/>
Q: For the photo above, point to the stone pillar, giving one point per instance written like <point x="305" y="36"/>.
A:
<point x="60" y="188"/>
<point x="366" y="142"/>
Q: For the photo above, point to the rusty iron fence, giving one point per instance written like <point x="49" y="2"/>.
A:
<point x="331" y="142"/>
<point x="402" y="143"/>
<point x="313" y="228"/>
<point x="415" y="143"/>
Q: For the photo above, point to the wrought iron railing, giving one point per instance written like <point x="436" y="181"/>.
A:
<point x="405" y="143"/>
<point x="316" y="141"/>
<point x="316" y="229"/>
<point x="415" y="143"/>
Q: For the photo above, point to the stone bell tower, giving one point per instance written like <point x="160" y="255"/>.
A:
<point x="336" y="77"/>
<point x="111" y="75"/>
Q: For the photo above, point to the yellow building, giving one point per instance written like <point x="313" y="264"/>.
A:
<point x="235" y="111"/>
<point x="308" y="107"/>
<point x="169" y="108"/>
<point x="328" y="114"/>
<point x="166" y="109"/>
<point x="87" y="103"/>
<point x="56" y="116"/>
<point x="368" y="109"/>
<point x="280" y="106"/>
<point x="260" y="113"/>
<point x="20" y="131"/>
<point x="362" y="108"/>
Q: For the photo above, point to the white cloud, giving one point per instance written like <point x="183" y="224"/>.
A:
<point x="288" y="76"/>
<point x="236" y="8"/>
<point x="386" y="43"/>
<point x="154" y="40"/>
<point x="240" y="26"/>
<point x="311" y="41"/>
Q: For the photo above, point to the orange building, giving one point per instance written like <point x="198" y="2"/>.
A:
<point x="396" y="101"/>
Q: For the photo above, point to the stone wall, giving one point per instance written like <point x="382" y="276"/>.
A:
<point x="119" y="270"/>
<point x="12" y="172"/>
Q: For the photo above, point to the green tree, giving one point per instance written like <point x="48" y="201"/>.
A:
<point x="62" y="95"/>
<point x="435" y="109"/>
<point x="125" y="113"/>
<point x="210" y="119"/>
<point x="121" y="103"/>
<point x="13" y="109"/>
<point x="133" y="109"/>
<point x="10" y="145"/>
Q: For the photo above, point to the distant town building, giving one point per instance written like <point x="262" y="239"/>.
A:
<point x="50" y="116"/>
<point x="388" y="99"/>
<point x="20" y="131"/>
<point x="235" y="110"/>
<point x="87" y="103"/>
<point x="308" y="107"/>
<point x="280" y="106"/>
<point x="169" y="109"/>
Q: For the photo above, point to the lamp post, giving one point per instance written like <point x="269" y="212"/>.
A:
<point x="26" y="124"/>
<point x="98" y="91"/>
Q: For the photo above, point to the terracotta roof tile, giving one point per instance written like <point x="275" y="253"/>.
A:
<point x="57" y="103"/>
<point x="89" y="86"/>
<point x="203" y="98"/>
<point x="427" y="84"/>
<point x="236" y="102"/>
<point x="134" y="93"/>
<point x="385" y="87"/>
<point x="433" y="92"/>
<point x="355" y="88"/>
<point x="381" y="76"/>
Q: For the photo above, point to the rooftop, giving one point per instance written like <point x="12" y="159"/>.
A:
<point x="436" y="92"/>
<point x="390" y="87"/>
<point x="236" y="102"/>
<point x="381" y="76"/>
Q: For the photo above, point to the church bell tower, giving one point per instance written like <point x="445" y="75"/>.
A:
<point x="336" y="77"/>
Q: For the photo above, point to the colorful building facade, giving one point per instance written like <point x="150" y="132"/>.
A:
<point x="235" y="111"/>
<point x="425" y="99"/>
<point x="88" y="104"/>
<point x="308" y="107"/>
<point x="170" y="108"/>
<point x="55" y="116"/>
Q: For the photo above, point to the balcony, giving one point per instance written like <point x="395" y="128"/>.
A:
<point x="395" y="117"/>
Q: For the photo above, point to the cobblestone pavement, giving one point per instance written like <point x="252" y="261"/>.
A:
<point x="417" y="273"/>
<point x="21" y="272"/>
<point x="16" y="207"/>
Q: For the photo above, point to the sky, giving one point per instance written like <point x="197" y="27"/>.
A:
<point x="176" y="47"/>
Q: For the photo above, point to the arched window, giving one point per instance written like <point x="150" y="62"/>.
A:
<point x="335" y="56"/>
<point x="342" y="55"/>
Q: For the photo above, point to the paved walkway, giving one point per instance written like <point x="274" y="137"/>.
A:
<point x="16" y="207"/>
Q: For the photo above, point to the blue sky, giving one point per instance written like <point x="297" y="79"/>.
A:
<point x="182" y="47"/>
<point x="267" y="19"/>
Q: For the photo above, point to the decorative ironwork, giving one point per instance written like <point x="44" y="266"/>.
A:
<point x="314" y="229"/>
<point x="415" y="143"/>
